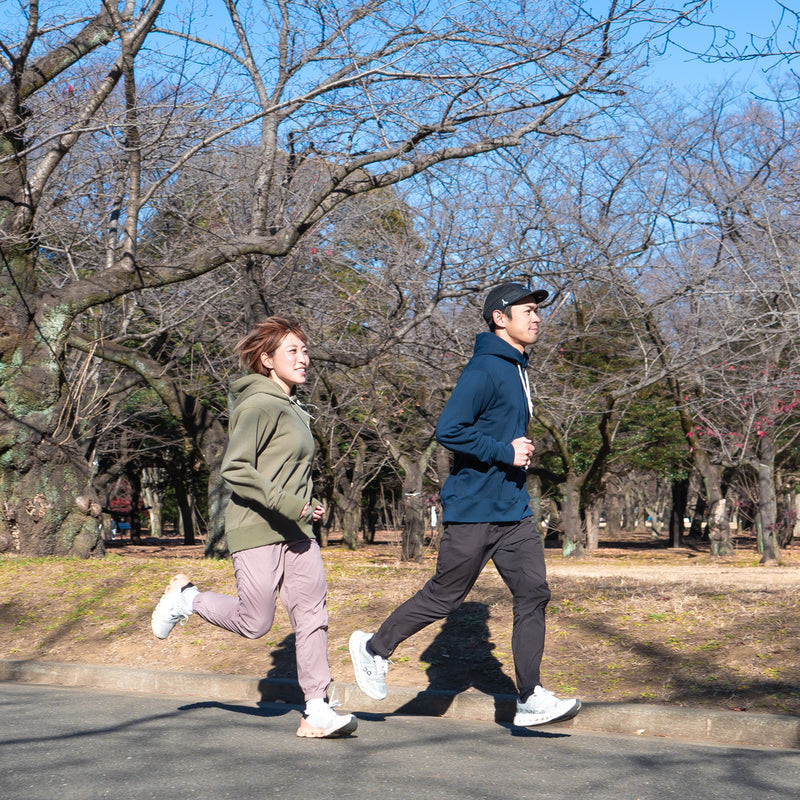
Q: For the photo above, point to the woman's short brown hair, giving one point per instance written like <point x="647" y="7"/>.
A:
<point x="266" y="338"/>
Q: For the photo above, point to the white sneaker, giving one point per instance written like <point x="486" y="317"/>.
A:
<point x="320" y="721"/>
<point x="174" y="606"/>
<point x="370" y="670"/>
<point x="543" y="707"/>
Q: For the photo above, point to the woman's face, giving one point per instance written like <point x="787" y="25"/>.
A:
<point x="288" y="364"/>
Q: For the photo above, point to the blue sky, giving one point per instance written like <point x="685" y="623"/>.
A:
<point x="743" y="18"/>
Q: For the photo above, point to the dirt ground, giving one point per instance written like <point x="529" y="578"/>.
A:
<point x="635" y="621"/>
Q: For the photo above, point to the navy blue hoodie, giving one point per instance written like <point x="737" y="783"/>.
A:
<point x="486" y="411"/>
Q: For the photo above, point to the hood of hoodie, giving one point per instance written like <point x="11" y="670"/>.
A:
<point x="490" y="344"/>
<point x="255" y="384"/>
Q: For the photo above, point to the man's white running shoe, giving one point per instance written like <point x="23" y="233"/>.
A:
<point x="370" y="670"/>
<point x="543" y="707"/>
<point x="320" y="721"/>
<point x="174" y="606"/>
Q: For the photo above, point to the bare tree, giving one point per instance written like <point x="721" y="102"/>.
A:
<point x="368" y="94"/>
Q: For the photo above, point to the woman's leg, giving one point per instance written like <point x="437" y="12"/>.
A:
<point x="304" y="594"/>
<point x="259" y="572"/>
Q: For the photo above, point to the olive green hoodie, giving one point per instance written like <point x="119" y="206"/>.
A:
<point x="267" y="466"/>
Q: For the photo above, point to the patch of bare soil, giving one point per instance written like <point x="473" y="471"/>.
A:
<point x="640" y="622"/>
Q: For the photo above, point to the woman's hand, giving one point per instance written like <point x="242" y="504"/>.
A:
<point x="318" y="513"/>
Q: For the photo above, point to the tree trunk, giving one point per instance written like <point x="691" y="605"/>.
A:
<point x="613" y="515"/>
<point x="413" y="538"/>
<point x="136" y="502"/>
<point x="47" y="506"/>
<point x="535" y="493"/>
<point x="153" y="500"/>
<point x="592" y="520"/>
<point x="369" y="518"/>
<point x="680" y="497"/>
<point x="185" y="509"/>
<point x="698" y="517"/>
<point x="351" y="522"/>
<point x="767" y="500"/>
<point x="218" y="496"/>
<point x="718" y="528"/>
<point x="718" y="521"/>
<point x="572" y="545"/>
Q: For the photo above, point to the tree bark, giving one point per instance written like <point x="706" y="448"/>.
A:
<point x="767" y="500"/>
<point x="680" y="497"/>
<point x="572" y="544"/>
<point x="413" y="539"/>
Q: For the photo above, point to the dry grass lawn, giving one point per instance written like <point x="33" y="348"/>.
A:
<point x="641" y="623"/>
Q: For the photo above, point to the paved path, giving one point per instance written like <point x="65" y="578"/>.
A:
<point x="80" y="744"/>
<point x="704" y="725"/>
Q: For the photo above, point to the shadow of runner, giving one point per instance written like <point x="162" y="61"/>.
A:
<point x="460" y="658"/>
<point x="262" y="709"/>
<point x="461" y="655"/>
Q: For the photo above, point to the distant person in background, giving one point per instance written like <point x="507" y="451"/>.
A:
<point x="486" y="513"/>
<point x="269" y="521"/>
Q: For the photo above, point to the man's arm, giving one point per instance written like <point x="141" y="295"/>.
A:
<point x="456" y="427"/>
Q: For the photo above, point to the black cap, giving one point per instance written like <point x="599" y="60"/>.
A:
<point x="506" y="294"/>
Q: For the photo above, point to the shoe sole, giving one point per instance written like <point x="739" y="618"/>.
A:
<point x="544" y="719"/>
<point x="354" y="646"/>
<point x="308" y="731"/>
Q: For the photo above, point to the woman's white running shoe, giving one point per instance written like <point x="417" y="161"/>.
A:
<point x="320" y="721"/>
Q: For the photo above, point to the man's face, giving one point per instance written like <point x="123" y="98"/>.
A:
<point x="522" y="328"/>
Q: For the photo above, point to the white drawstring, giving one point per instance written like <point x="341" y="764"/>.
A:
<point x="526" y="388"/>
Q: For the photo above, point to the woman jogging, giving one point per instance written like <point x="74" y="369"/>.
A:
<point x="269" y="522"/>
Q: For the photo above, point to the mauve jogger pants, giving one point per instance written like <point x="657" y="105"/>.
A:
<point x="295" y="572"/>
<point x="465" y="548"/>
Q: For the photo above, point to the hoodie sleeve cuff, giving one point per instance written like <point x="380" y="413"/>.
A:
<point x="507" y="454"/>
<point x="292" y="507"/>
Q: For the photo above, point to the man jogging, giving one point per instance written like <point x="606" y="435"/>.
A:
<point x="486" y="511"/>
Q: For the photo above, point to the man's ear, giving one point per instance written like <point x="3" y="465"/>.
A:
<point x="499" y="318"/>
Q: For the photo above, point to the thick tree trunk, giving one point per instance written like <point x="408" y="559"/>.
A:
<point x="47" y="506"/>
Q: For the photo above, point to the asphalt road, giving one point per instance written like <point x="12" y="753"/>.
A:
<point x="79" y="744"/>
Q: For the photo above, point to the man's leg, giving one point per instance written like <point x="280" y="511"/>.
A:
<point x="463" y="553"/>
<point x="519" y="558"/>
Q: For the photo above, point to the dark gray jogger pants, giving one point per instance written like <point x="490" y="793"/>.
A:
<point x="465" y="549"/>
